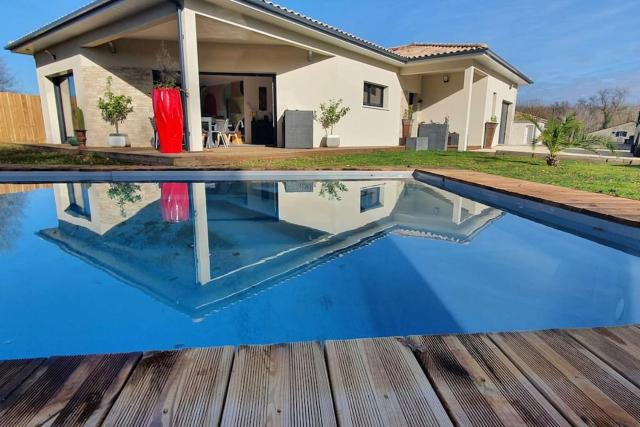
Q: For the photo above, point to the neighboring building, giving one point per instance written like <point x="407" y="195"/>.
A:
<point x="523" y="132"/>
<point x="252" y="59"/>
<point x="620" y="133"/>
<point x="245" y="237"/>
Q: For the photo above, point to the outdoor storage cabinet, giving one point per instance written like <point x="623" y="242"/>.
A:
<point x="298" y="129"/>
<point x="436" y="133"/>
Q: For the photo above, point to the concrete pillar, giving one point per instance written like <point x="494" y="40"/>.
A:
<point x="467" y="91"/>
<point x="201" y="233"/>
<point x="188" y="45"/>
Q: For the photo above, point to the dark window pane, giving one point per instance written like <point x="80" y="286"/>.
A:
<point x="373" y="95"/>
<point x="370" y="198"/>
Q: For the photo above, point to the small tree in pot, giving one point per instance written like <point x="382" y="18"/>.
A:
<point x="331" y="113"/>
<point x="115" y="109"/>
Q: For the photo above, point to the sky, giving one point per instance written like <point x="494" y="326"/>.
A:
<point x="570" y="48"/>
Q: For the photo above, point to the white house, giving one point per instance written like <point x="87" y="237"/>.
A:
<point x="252" y="60"/>
<point x="216" y="247"/>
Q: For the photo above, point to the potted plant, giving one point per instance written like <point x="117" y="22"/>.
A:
<point x="407" y="119"/>
<point x="80" y="130"/>
<point x="331" y="113"/>
<point x="115" y="109"/>
<point x="167" y="105"/>
<point x="489" y="131"/>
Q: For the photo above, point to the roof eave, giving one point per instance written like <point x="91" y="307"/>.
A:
<point x="508" y="66"/>
<point x="98" y="5"/>
<point x="327" y="30"/>
<point x="91" y="8"/>
<point x="475" y="52"/>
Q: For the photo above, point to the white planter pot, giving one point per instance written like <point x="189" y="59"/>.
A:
<point x="117" y="140"/>
<point x="333" y="141"/>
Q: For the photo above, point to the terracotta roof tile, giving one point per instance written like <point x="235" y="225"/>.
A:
<point x="425" y="50"/>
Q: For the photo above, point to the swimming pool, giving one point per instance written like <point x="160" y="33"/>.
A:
<point x="95" y="266"/>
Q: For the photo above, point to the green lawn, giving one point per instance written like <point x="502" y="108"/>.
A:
<point x="623" y="181"/>
<point x="16" y="155"/>
<point x="617" y="180"/>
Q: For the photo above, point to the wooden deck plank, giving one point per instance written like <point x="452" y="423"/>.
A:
<point x="68" y="391"/>
<point x="584" y="388"/>
<point x="277" y="385"/>
<point x="13" y="373"/>
<point x="619" y="347"/>
<point x="479" y="384"/>
<point x="175" y="388"/>
<point x="379" y="382"/>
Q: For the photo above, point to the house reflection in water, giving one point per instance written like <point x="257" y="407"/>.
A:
<point x="243" y="237"/>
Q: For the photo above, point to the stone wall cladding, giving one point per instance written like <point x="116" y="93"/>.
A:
<point x="134" y="82"/>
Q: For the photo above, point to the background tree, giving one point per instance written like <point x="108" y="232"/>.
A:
<point x="7" y="82"/>
<point x="605" y="109"/>
<point x="11" y="214"/>
<point x="609" y="102"/>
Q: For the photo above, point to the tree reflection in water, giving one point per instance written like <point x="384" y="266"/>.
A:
<point x="11" y="213"/>
<point x="332" y="189"/>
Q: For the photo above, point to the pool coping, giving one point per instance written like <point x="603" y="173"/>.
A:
<point x="616" y="209"/>
<point x="610" y="208"/>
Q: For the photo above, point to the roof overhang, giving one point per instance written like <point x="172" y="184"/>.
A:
<point x="103" y="12"/>
<point x="90" y="17"/>
<point x="488" y="59"/>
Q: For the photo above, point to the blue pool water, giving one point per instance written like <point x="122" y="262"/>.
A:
<point x="102" y="267"/>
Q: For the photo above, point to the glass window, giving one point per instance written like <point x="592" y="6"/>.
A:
<point x="370" y="198"/>
<point x="78" y="200"/>
<point x="373" y="95"/>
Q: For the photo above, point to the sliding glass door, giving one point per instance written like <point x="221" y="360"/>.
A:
<point x="65" y="92"/>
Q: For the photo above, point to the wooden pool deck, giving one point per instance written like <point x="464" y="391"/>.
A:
<point x="617" y="209"/>
<point x="573" y="377"/>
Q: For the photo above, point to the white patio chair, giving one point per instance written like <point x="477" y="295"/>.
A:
<point x="221" y="131"/>
<point x="235" y="133"/>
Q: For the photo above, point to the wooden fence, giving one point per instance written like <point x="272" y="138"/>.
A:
<point x="21" y="188"/>
<point x="21" y="118"/>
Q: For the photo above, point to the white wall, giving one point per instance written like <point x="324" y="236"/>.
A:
<point x="302" y="83"/>
<point x="105" y="212"/>
<point x="523" y="133"/>
<point x="503" y="92"/>
<point x="478" y="114"/>
<point x="338" y="215"/>
<point x="442" y="100"/>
